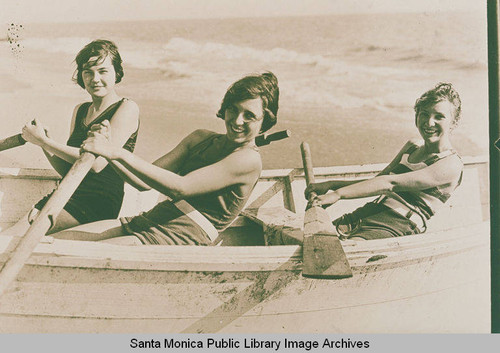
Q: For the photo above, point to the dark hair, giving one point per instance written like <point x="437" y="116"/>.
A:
<point x="439" y="93"/>
<point x="101" y="49"/>
<point x="264" y="86"/>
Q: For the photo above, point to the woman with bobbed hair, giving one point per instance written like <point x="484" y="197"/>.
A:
<point x="412" y="188"/>
<point x="100" y="195"/>
<point x="207" y="177"/>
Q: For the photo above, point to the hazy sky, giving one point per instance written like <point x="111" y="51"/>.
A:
<point x="26" y="11"/>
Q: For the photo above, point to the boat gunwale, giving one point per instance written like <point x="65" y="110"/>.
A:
<point x="267" y="174"/>
<point x="269" y="257"/>
<point x="394" y="251"/>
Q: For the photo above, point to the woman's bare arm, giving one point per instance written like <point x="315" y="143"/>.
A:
<point x="332" y="185"/>
<point x="171" y="161"/>
<point x="124" y="122"/>
<point x="241" y="167"/>
<point x="442" y="172"/>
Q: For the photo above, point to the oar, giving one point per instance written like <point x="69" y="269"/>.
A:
<point x="44" y="220"/>
<point x="11" y="142"/>
<point x="323" y="255"/>
<point x="14" y="141"/>
<point x="266" y="139"/>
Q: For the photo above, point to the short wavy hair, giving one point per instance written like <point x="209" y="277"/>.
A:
<point x="101" y="49"/>
<point x="263" y="85"/>
<point x="439" y="93"/>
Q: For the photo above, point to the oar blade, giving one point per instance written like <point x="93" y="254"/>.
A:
<point x="324" y="257"/>
<point x="322" y="253"/>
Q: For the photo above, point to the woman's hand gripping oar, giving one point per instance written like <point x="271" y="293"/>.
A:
<point x="16" y="140"/>
<point x="44" y="220"/>
<point x="322" y="253"/>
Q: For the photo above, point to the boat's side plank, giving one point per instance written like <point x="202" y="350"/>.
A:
<point x="21" y="188"/>
<point x="413" y="297"/>
<point x="412" y="291"/>
<point x="400" y="285"/>
<point x="64" y="253"/>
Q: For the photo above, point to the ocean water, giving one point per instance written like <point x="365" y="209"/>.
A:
<point x="348" y="82"/>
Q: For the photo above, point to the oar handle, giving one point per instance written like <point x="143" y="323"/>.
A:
<point x="266" y="139"/>
<point x="307" y="162"/>
<point x="11" y="142"/>
<point x="308" y="166"/>
<point x="44" y="220"/>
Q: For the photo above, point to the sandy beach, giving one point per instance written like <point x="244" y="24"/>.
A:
<point x="355" y="110"/>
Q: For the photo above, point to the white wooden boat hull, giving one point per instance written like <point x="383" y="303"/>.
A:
<point x="423" y="285"/>
<point x="436" y="282"/>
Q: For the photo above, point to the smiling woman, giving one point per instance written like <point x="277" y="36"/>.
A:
<point x="100" y="195"/>
<point x="208" y="177"/>
<point x="99" y="76"/>
<point x="418" y="181"/>
<point x="242" y="120"/>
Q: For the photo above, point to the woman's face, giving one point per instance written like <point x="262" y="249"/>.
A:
<point x="244" y="120"/>
<point x="435" y="121"/>
<point x="99" y="79"/>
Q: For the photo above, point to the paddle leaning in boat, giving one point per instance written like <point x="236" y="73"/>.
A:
<point x="251" y="280"/>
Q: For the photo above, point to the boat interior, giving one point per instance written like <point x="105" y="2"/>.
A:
<point x="277" y="201"/>
<point x="251" y="280"/>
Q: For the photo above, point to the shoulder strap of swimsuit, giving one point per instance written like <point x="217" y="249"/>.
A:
<point x="81" y="113"/>
<point x="105" y="114"/>
<point x="411" y="149"/>
<point x="438" y="156"/>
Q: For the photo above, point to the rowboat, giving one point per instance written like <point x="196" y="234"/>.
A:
<point x="251" y="281"/>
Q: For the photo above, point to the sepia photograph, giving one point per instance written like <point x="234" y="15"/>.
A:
<point x="245" y="167"/>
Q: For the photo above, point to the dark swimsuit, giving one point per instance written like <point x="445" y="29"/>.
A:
<point x="99" y="195"/>
<point x="375" y="220"/>
<point x="166" y="225"/>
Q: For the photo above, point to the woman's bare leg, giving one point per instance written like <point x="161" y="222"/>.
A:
<point x="63" y="221"/>
<point x="67" y="227"/>
<point x="95" y="231"/>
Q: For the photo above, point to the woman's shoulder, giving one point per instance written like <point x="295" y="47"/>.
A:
<point x="80" y="106"/>
<point x="410" y="146"/>
<point x="413" y="143"/>
<point x="249" y="157"/>
<point x="203" y="133"/>
<point x="450" y="159"/>
<point x="200" y="135"/>
<point x="449" y="168"/>
<point x="129" y="102"/>
<point x="127" y="114"/>
<point x="129" y="105"/>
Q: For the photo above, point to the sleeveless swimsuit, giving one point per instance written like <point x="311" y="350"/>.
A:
<point x="165" y="224"/>
<point x="100" y="195"/>
<point x="375" y="220"/>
